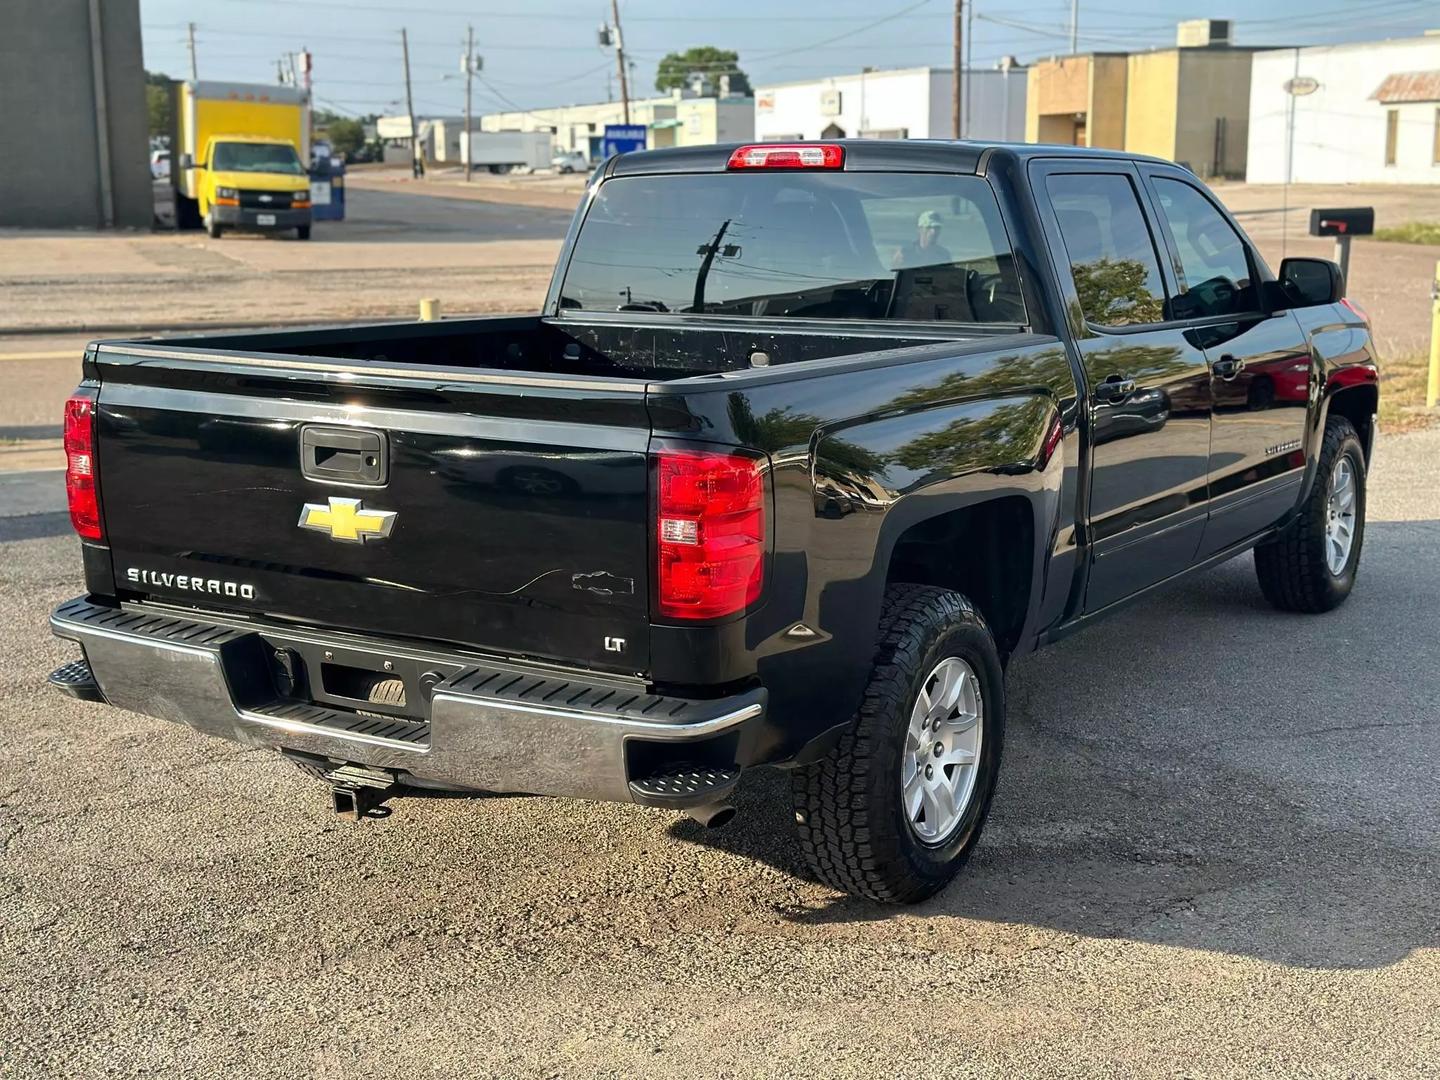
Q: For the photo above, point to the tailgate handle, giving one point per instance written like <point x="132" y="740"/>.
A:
<point x="343" y="455"/>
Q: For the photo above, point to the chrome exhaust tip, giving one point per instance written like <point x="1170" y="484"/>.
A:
<point x="712" y="815"/>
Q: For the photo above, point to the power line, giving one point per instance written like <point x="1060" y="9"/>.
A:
<point x="840" y="37"/>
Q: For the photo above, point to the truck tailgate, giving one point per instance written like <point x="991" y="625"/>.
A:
<point x="504" y="513"/>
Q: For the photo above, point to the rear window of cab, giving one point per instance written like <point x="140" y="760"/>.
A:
<point x="805" y="244"/>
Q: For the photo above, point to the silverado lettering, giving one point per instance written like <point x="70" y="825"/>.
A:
<point x="191" y="583"/>
<point x="836" y="430"/>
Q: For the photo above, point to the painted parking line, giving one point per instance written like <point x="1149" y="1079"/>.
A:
<point x="67" y="354"/>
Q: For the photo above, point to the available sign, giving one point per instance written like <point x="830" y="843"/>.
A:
<point x="622" y="139"/>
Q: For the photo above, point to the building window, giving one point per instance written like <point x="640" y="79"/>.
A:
<point x="1392" y="134"/>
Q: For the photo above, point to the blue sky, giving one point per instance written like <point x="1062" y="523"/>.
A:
<point x="544" y="52"/>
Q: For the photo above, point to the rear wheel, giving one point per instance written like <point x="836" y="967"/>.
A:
<point x="1311" y="565"/>
<point x="894" y="810"/>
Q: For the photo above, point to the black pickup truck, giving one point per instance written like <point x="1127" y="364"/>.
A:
<point x="808" y="442"/>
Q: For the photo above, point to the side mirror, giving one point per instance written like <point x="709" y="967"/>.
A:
<point x="186" y="161"/>
<point x="1309" y="282"/>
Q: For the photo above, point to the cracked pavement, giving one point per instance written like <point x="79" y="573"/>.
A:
<point x="1214" y="852"/>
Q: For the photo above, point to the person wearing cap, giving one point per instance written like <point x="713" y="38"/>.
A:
<point x="925" y="249"/>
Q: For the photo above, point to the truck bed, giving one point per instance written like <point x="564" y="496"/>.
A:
<point x="613" y="348"/>
<point x="511" y="456"/>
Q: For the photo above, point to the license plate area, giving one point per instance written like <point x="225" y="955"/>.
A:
<point x="342" y="677"/>
<point x="264" y="219"/>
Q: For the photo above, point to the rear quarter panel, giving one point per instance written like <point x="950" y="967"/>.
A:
<point x="862" y="450"/>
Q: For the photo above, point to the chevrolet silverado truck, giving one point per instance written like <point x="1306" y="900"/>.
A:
<point x="807" y="444"/>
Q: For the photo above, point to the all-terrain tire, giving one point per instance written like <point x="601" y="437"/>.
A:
<point x="1292" y="568"/>
<point x="848" y="805"/>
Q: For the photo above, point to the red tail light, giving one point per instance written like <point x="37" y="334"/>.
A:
<point x="710" y="533"/>
<point x="788" y="156"/>
<point x="80" y="466"/>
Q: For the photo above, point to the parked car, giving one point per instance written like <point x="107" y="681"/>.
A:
<point x="569" y="161"/>
<point x="808" y="444"/>
<point x="159" y="164"/>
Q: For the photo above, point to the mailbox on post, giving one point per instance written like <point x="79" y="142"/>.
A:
<point x="1342" y="224"/>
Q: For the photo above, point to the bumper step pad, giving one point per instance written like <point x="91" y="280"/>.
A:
<point x="392" y="730"/>
<point x="75" y="680"/>
<point x="686" y="786"/>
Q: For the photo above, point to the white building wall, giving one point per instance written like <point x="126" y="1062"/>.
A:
<point x="735" y="121"/>
<point x="1339" y="131"/>
<point x="911" y="103"/>
<point x="581" y="127"/>
<point x="996" y="112"/>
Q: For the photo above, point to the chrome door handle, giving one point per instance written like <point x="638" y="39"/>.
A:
<point x="1227" y="367"/>
<point x="1114" y="388"/>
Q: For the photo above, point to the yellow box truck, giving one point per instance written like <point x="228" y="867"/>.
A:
<point x="241" y="153"/>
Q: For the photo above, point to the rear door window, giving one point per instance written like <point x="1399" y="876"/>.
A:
<point x="829" y="245"/>
<point x="1111" y="253"/>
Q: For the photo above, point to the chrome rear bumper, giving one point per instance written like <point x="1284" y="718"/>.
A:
<point x="490" y="727"/>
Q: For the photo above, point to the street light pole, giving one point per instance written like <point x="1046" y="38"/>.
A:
<point x="1074" y="26"/>
<point x="190" y="37"/>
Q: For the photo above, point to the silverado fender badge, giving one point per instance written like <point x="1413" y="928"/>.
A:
<point x="347" y="521"/>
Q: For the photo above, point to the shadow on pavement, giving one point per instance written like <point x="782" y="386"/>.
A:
<point x="1205" y="772"/>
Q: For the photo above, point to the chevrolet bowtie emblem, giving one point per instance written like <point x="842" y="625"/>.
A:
<point x="347" y="520"/>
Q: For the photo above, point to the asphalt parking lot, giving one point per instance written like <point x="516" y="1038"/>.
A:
<point x="1214" y="852"/>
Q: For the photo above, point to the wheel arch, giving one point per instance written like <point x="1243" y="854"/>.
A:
<point x="1358" y="402"/>
<point x="942" y="551"/>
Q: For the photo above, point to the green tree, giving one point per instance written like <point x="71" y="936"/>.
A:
<point x="346" y="136"/>
<point x="159" y="102"/>
<point x="676" y="67"/>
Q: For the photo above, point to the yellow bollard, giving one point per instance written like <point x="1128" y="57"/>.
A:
<point x="429" y="310"/>
<point x="1432" y="393"/>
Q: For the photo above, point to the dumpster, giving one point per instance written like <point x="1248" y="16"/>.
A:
<point x="327" y="188"/>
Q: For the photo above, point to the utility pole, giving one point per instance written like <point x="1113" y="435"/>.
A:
<point x="307" y="64"/>
<point x="190" y="36"/>
<point x="620" y="60"/>
<point x="969" y="60"/>
<point x="958" y="61"/>
<point x="1074" y="26"/>
<point x="469" y="75"/>
<point x="709" y="250"/>
<point x="417" y="160"/>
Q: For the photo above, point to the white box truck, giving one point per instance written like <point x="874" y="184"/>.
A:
<point x="507" y="151"/>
